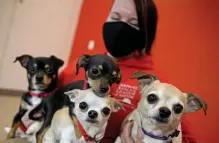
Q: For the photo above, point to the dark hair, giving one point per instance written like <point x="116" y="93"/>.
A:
<point x="147" y="19"/>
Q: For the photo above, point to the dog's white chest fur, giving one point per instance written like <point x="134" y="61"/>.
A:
<point x="34" y="101"/>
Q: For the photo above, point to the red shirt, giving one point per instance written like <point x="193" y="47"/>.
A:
<point x="127" y="92"/>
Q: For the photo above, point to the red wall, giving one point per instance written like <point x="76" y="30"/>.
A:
<point x="186" y="50"/>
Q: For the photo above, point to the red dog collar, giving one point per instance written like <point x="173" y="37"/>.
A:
<point x="22" y="127"/>
<point x="84" y="134"/>
<point x="42" y="94"/>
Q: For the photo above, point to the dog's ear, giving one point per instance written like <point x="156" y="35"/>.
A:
<point x="73" y="94"/>
<point x="115" y="105"/>
<point x="195" y="103"/>
<point x="58" y="62"/>
<point x="24" y="59"/>
<point x="144" y="79"/>
<point x="82" y="62"/>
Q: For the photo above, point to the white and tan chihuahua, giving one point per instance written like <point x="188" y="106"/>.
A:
<point x="160" y="110"/>
<point x="84" y="121"/>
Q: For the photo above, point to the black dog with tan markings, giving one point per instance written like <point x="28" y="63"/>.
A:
<point x="42" y="74"/>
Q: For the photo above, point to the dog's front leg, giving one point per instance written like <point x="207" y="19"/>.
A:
<point x="40" y="135"/>
<point x="49" y="136"/>
<point x="16" y="122"/>
<point x="46" y="124"/>
<point x="35" y="111"/>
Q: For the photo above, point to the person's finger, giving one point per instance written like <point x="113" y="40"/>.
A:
<point x="122" y="140"/>
<point x="126" y="133"/>
<point x="127" y="121"/>
<point x="140" y="136"/>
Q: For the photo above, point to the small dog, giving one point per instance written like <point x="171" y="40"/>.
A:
<point x="42" y="73"/>
<point x="101" y="72"/>
<point x="84" y="121"/>
<point x="160" y="110"/>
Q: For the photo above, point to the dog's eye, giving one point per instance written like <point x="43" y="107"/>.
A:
<point x="106" y="111"/>
<point x="32" y="69"/>
<point x="48" y="70"/>
<point x="177" y="108"/>
<point x="95" y="71"/>
<point x="83" y="106"/>
<point x="152" y="98"/>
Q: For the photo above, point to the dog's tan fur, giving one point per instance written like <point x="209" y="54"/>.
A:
<point x="13" y="130"/>
<point x="40" y="137"/>
<point x="168" y="96"/>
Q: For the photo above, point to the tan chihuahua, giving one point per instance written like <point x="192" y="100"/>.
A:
<point x="160" y="110"/>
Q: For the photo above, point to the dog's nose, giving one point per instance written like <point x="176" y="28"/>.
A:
<point x="164" y="112"/>
<point x="39" y="79"/>
<point x="92" y="114"/>
<point x="104" y="88"/>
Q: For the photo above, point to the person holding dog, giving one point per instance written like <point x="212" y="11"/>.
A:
<point x="128" y="34"/>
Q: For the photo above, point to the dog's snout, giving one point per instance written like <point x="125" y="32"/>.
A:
<point x="164" y="112"/>
<point x="92" y="114"/>
<point x="104" y="88"/>
<point x="39" y="78"/>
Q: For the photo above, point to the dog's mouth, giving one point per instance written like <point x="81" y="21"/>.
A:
<point x="161" y="120"/>
<point x="104" y="90"/>
<point x="100" y="94"/>
<point x="92" y="121"/>
<point x="41" y="85"/>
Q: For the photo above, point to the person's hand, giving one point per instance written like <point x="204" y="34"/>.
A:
<point x="126" y="134"/>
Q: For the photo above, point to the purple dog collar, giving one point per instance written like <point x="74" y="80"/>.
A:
<point x="174" y="134"/>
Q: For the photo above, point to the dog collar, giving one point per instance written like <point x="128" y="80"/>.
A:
<point x="83" y="132"/>
<point x="174" y="134"/>
<point x="42" y="94"/>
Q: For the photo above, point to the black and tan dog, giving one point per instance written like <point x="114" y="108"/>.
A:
<point x="101" y="72"/>
<point x="42" y="73"/>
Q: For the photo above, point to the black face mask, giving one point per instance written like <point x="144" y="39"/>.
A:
<point x="121" y="39"/>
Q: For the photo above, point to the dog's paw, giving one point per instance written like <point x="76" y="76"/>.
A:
<point x="30" y="131"/>
<point x="10" y="135"/>
<point x="34" y="128"/>
<point x="31" y="139"/>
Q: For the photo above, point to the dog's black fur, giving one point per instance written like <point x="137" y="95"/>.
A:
<point x="42" y="73"/>
<point x="101" y="73"/>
